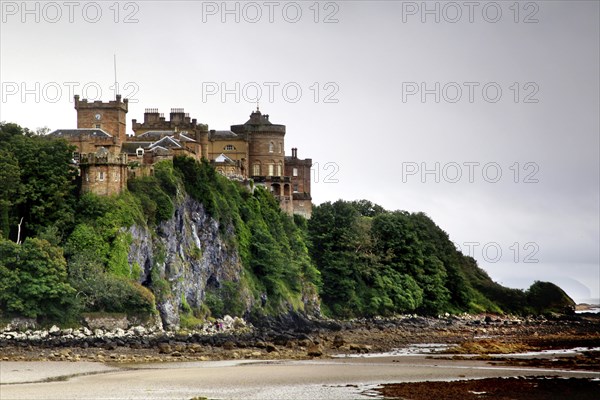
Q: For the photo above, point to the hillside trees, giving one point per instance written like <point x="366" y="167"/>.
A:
<point x="272" y="246"/>
<point x="33" y="280"/>
<point x="378" y="262"/>
<point x="39" y="183"/>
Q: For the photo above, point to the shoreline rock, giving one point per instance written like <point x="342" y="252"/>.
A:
<point x="240" y="340"/>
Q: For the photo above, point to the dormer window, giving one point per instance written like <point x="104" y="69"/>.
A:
<point x="139" y="152"/>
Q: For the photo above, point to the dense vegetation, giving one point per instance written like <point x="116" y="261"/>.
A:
<point x="84" y="244"/>
<point x="63" y="254"/>
<point x="378" y="262"/>
<point x="272" y="245"/>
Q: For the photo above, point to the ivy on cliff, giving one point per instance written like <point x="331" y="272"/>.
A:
<point x="272" y="247"/>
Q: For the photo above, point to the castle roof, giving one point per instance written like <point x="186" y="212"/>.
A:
<point x="70" y="133"/>
<point x="223" y="135"/>
<point x="257" y="118"/>
<point x="155" y="135"/>
<point x="224" y="159"/>
<point x="184" y="138"/>
<point x="167" y="143"/>
<point x="131" y="147"/>
<point x="259" y="123"/>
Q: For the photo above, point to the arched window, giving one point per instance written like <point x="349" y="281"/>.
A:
<point x="271" y="170"/>
<point x="271" y="147"/>
<point x="256" y="170"/>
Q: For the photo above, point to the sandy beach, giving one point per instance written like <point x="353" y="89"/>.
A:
<point x="347" y="378"/>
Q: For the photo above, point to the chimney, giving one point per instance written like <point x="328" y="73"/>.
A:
<point x="294" y="152"/>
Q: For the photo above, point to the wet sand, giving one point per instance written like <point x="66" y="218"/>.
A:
<point x="309" y="379"/>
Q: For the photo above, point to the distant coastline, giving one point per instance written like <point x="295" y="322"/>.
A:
<point x="588" y="308"/>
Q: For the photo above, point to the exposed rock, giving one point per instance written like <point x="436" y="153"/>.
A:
<point x="270" y="347"/>
<point x="338" y="341"/>
<point x="228" y="345"/>
<point x="314" y="351"/>
<point x="106" y="322"/>
<point x="194" y="254"/>
<point x="164" y="348"/>
<point x="54" y="330"/>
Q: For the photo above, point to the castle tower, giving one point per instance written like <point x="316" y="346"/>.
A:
<point x="103" y="173"/>
<point x="156" y="126"/>
<point x="266" y="156"/>
<point x="300" y="174"/>
<point x="109" y="116"/>
<point x="266" y="151"/>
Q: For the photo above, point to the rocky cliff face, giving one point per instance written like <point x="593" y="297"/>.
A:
<point x="188" y="252"/>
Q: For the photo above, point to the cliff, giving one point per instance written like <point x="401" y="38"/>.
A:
<point x="188" y="245"/>
<point x="189" y="254"/>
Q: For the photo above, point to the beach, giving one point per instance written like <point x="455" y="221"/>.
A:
<point x="345" y="378"/>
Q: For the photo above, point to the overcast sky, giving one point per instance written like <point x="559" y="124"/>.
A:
<point x="484" y="115"/>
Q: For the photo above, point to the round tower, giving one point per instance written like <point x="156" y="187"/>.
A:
<point x="266" y="145"/>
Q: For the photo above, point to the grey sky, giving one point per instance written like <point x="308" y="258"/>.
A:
<point x="368" y="61"/>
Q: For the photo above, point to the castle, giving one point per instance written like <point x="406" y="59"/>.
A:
<point x="248" y="152"/>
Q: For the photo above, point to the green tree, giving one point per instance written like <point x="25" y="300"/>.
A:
<point x="10" y="176"/>
<point x="45" y="192"/>
<point x="34" y="279"/>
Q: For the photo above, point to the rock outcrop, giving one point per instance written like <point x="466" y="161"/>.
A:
<point x="189" y="253"/>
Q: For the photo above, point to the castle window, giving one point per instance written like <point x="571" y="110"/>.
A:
<point x="229" y="147"/>
<point x="271" y="147"/>
<point x="101" y="176"/>
<point x="256" y="170"/>
<point x="295" y="172"/>
<point x="271" y="169"/>
<point x="117" y="177"/>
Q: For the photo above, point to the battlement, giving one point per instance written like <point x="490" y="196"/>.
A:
<point x="178" y="120"/>
<point x="98" y="104"/>
<point x="103" y="158"/>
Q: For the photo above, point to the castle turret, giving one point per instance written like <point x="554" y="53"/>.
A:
<point x="265" y="145"/>
<point x="103" y="173"/>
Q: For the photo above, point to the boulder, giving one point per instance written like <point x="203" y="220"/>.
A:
<point x="54" y="330"/>
<point x="314" y="351"/>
